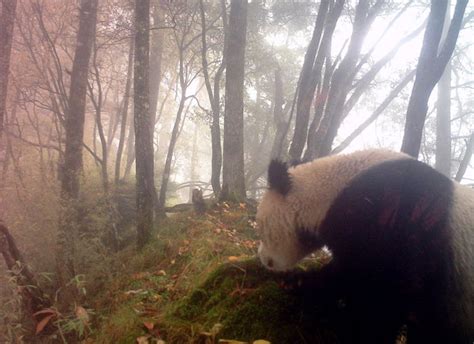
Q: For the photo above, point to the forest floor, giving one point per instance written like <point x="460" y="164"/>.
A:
<point x="199" y="281"/>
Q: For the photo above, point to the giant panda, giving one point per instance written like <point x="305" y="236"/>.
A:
<point x="401" y="237"/>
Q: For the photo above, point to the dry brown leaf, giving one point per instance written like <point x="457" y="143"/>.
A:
<point x="82" y="314"/>
<point x="149" y="325"/>
<point x="232" y="259"/>
<point x="42" y="324"/>
<point x="143" y="340"/>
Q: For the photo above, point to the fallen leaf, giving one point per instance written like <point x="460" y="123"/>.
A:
<point x="42" y="324"/>
<point x="143" y="340"/>
<point x="232" y="259"/>
<point x="82" y="314"/>
<point x="261" y="341"/>
<point x="149" y="325"/>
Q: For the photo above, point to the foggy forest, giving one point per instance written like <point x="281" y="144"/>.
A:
<point x="136" y="135"/>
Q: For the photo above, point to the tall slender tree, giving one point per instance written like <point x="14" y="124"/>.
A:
<point x="7" y="21"/>
<point x="431" y="65"/>
<point x="443" y="112"/>
<point x="213" y="92"/>
<point x="233" y="186"/>
<point x="74" y="128"/>
<point x="143" y="123"/>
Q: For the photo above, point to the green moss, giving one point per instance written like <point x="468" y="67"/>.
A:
<point x="198" y="290"/>
<point x="250" y="304"/>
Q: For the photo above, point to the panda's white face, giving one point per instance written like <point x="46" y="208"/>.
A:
<point x="280" y="248"/>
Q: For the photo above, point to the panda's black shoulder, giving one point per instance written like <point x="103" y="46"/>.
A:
<point x="400" y="197"/>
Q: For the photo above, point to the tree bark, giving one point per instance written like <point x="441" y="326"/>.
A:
<point x="343" y="77"/>
<point x="98" y="103"/>
<point x="124" y="112"/>
<point x="143" y="123"/>
<point x="130" y="147"/>
<point x="74" y="128"/>
<point x="443" y="113"/>
<point x="233" y="186"/>
<point x="156" y="54"/>
<point x="308" y="81"/>
<point x="194" y="161"/>
<point x="431" y="64"/>
<point x="169" y="156"/>
<point x="214" y="97"/>
<point x="279" y="120"/>
<point x="7" y="24"/>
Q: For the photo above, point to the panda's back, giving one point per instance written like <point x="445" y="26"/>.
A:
<point x="404" y="224"/>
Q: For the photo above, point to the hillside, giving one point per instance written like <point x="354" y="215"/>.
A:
<point x="199" y="282"/>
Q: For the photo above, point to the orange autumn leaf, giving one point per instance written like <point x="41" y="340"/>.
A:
<point x="42" y="324"/>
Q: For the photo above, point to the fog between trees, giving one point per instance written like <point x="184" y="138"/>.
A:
<point x="102" y="101"/>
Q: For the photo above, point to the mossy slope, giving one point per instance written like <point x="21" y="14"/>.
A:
<point x="199" y="274"/>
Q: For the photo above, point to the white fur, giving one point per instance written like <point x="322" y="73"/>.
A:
<point x="315" y="185"/>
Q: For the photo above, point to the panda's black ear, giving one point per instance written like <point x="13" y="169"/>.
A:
<point x="278" y="177"/>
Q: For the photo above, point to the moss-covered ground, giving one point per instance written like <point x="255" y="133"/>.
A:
<point x="200" y="282"/>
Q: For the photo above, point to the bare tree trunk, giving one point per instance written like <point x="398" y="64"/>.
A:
<point x="169" y="155"/>
<point x="124" y="112"/>
<point x="214" y="97"/>
<point x="74" y="127"/>
<point x="343" y="76"/>
<point x="143" y="123"/>
<point x="319" y="106"/>
<point x="7" y="23"/>
<point x="233" y="163"/>
<point x="466" y="159"/>
<point x="278" y="116"/>
<point x="130" y="147"/>
<point x="308" y="81"/>
<point x="431" y="64"/>
<point x="98" y="120"/>
<point x="443" y="112"/>
<point x="194" y="162"/>
<point x="156" y="53"/>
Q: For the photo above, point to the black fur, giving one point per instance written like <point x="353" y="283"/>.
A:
<point x="393" y="252"/>
<point x="278" y="177"/>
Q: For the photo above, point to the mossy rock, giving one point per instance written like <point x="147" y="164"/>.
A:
<point x="250" y="303"/>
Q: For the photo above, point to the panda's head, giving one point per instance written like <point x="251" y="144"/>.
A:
<point x="281" y="247"/>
